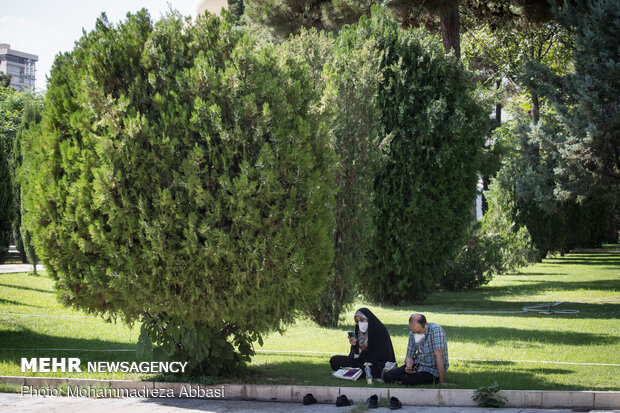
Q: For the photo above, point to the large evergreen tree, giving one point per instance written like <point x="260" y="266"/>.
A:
<point x="586" y="99"/>
<point x="434" y="130"/>
<point x="425" y="187"/>
<point x="181" y="179"/>
<point x="346" y="71"/>
<point x="440" y="16"/>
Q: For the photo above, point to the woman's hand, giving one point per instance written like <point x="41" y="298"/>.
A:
<point x="353" y="341"/>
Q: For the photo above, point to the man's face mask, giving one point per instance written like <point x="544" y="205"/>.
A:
<point x="418" y="337"/>
<point x="363" y="326"/>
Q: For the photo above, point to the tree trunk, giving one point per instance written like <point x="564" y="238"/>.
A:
<point x="450" y="32"/>
<point x="498" y="107"/>
<point x="535" y="108"/>
<point x="485" y="187"/>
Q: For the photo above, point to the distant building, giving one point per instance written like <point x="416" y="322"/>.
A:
<point x="214" y="6"/>
<point x="20" y="65"/>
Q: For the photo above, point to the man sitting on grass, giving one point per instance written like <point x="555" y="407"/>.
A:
<point x="426" y="361"/>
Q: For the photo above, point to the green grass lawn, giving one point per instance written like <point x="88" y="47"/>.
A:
<point x="589" y="283"/>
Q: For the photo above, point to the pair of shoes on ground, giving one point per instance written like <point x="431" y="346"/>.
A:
<point x="342" y="400"/>
<point x="373" y="402"/>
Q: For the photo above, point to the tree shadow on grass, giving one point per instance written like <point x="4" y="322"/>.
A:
<point x="586" y="311"/>
<point x="559" y="286"/>
<point x="493" y="335"/>
<point x="6" y="302"/>
<point x="486" y="307"/>
<point x="608" y="260"/>
<point x="21" y="287"/>
<point x="489" y="298"/>
<point x="536" y="378"/>
<point x="519" y="337"/>
<point x="523" y="287"/>
<point x="14" y="345"/>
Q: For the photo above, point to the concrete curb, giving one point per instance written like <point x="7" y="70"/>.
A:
<point x="534" y="399"/>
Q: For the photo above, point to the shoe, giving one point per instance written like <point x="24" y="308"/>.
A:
<point x="343" y="401"/>
<point x="373" y="402"/>
<point x="309" y="399"/>
<point x="395" y="404"/>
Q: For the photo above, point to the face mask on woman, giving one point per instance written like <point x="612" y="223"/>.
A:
<point x="363" y="326"/>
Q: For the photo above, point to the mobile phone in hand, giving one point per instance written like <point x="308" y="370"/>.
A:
<point x="351" y="334"/>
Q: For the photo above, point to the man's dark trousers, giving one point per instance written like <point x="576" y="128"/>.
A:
<point x="398" y="374"/>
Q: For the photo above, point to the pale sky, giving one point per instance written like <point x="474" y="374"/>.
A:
<point x="45" y="28"/>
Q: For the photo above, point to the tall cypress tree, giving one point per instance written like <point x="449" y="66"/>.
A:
<point x="11" y="106"/>
<point x="346" y="71"/>
<point x="31" y="119"/>
<point x="434" y="130"/>
<point x="6" y="202"/>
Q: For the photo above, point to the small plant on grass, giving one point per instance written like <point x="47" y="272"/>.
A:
<point x="487" y="396"/>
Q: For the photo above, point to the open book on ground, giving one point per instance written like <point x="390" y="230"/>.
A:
<point x="348" y="373"/>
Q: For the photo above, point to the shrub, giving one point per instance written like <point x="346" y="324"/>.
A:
<point x="181" y="178"/>
<point x="346" y="72"/>
<point x="434" y="133"/>
<point x="494" y="245"/>
<point x="475" y="263"/>
<point x="515" y="243"/>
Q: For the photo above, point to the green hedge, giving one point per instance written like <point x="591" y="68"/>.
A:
<point x="425" y="192"/>
<point x="181" y="178"/>
<point x="346" y="73"/>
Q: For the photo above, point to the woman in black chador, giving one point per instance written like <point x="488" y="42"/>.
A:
<point x="371" y="344"/>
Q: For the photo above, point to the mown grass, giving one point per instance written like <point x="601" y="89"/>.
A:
<point x="589" y="283"/>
